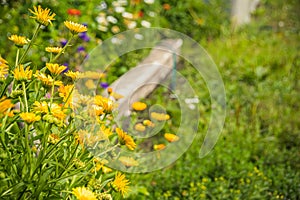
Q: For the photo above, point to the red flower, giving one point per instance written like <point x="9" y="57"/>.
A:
<point x="73" y="11"/>
<point x="141" y="13"/>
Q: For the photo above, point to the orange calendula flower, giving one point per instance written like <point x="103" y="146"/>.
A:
<point x="125" y="139"/>
<point x="139" y="106"/>
<point x="159" y="146"/>
<point x="83" y="193"/>
<point x="106" y="104"/>
<point x="55" y="68"/>
<point x="30" y="117"/>
<point x="171" y="137"/>
<point x="42" y="16"/>
<point x="22" y="75"/>
<point x="53" y="49"/>
<point x="75" y="27"/>
<point x="73" y="75"/>
<point x="120" y="183"/>
<point x="5" y="105"/>
<point x="159" y="116"/>
<point x="128" y="161"/>
<point x="73" y="11"/>
<point x="19" y="41"/>
<point x="140" y="127"/>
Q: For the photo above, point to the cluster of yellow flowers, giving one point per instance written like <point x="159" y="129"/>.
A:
<point x="44" y="102"/>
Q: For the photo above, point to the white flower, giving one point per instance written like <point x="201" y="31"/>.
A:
<point x="102" y="28"/>
<point x="127" y="15"/>
<point x="145" y="24"/>
<point x="131" y="25"/>
<point x="152" y="14"/>
<point x="119" y="9"/>
<point x="112" y="19"/>
<point x="149" y="1"/>
<point x="138" y="36"/>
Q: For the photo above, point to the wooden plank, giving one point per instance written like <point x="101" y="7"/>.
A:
<point x="141" y="80"/>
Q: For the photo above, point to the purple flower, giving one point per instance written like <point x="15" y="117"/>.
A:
<point x="80" y="49"/>
<point x="84" y="36"/>
<point x="104" y="85"/>
<point x="67" y="69"/>
<point x="63" y="42"/>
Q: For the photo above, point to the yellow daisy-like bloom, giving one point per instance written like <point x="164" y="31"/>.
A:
<point x="120" y="183"/>
<point x="128" y="161"/>
<point x="53" y="49"/>
<point x="19" y="41"/>
<point x="67" y="93"/>
<point x="147" y="122"/>
<point x="90" y="84"/>
<point x="5" y="105"/>
<point x="160" y="116"/>
<point x="22" y="75"/>
<point x="140" y="127"/>
<point x="55" y="69"/>
<point x="2" y="60"/>
<point x="106" y="130"/>
<point x="92" y="75"/>
<point x="73" y="75"/>
<point x="40" y="107"/>
<point x="125" y="139"/>
<point x="47" y="80"/>
<point x="171" y="137"/>
<point x="159" y="146"/>
<point x="82" y="193"/>
<point x="75" y="27"/>
<point x="139" y="106"/>
<point x="57" y="111"/>
<point x="3" y="70"/>
<point x="105" y="103"/>
<point x="42" y="16"/>
<point x="30" y="117"/>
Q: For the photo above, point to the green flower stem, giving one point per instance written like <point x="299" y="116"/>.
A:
<point x="25" y="96"/>
<point x="17" y="58"/>
<point x="62" y="51"/>
<point x="28" y="149"/>
<point x="30" y="43"/>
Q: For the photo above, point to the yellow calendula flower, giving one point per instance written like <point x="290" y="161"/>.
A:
<point x="5" y="105"/>
<point x="106" y="130"/>
<point x="83" y="193"/>
<point x="159" y="146"/>
<point x="19" y="41"/>
<point x="92" y="75"/>
<point x="125" y="139"/>
<point x="57" y="111"/>
<point x="47" y="80"/>
<point x="53" y="49"/>
<point x="120" y="183"/>
<point x="73" y="75"/>
<point x="42" y="16"/>
<point x="105" y="103"/>
<point x="22" y="75"/>
<point x="171" y="137"/>
<point x="2" y="60"/>
<point x="40" y="107"/>
<point x="139" y="106"/>
<point x="140" y="127"/>
<point x="128" y="161"/>
<point x="55" y="68"/>
<point x="147" y="122"/>
<point x="3" y="70"/>
<point x="67" y="93"/>
<point x="75" y="27"/>
<point x="160" y="116"/>
<point x="30" y="117"/>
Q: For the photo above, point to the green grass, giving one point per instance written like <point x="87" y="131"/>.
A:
<point x="257" y="155"/>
